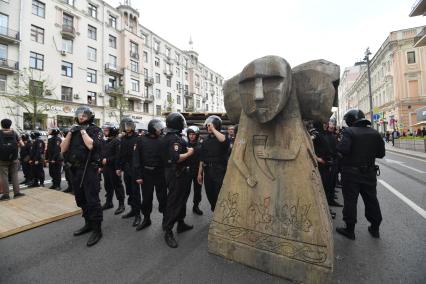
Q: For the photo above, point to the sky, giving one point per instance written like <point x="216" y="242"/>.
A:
<point x="229" y="34"/>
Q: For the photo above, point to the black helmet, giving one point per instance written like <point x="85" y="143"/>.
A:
<point x="84" y="110"/>
<point x="175" y="122"/>
<point x="127" y="123"/>
<point x="193" y="129"/>
<point x="154" y="125"/>
<point x="54" y="131"/>
<point x="35" y="134"/>
<point x="25" y="137"/>
<point x="355" y="116"/>
<point x="113" y="131"/>
<point x="65" y="131"/>
<point x="215" y="120"/>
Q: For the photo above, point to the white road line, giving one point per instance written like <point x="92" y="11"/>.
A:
<point x="410" y="203"/>
<point x="403" y="165"/>
<point x="408" y="157"/>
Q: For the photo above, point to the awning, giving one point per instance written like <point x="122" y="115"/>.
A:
<point x="421" y="123"/>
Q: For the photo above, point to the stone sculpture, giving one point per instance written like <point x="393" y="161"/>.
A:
<point x="272" y="213"/>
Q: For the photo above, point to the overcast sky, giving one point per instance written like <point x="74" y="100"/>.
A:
<point x="229" y="34"/>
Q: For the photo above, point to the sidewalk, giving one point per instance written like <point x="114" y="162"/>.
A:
<point x="410" y="153"/>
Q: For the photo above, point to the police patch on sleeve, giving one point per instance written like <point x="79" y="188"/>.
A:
<point x="176" y="147"/>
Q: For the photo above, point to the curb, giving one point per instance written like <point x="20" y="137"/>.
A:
<point x="407" y="154"/>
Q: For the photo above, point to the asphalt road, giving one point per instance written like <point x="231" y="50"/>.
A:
<point x="50" y="254"/>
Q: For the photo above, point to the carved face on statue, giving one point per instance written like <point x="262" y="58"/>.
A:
<point x="264" y="87"/>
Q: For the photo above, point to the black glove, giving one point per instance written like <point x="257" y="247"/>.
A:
<point x="75" y="128"/>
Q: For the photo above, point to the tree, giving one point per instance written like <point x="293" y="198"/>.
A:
<point x="30" y="93"/>
<point x="119" y="102"/>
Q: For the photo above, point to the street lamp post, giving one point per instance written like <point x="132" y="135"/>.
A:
<point x="367" y="59"/>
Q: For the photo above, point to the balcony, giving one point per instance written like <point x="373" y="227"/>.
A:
<point x="187" y="94"/>
<point x="68" y="31"/>
<point x="8" y="66"/>
<point x="420" y="38"/>
<point x="148" y="98"/>
<point x="113" y="70"/>
<point x="168" y="73"/>
<point x="113" y="90"/>
<point x="134" y="55"/>
<point x="149" y="81"/>
<point x="9" y="36"/>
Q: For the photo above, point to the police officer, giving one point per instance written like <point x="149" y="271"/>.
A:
<point x="82" y="146"/>
<point x="112" y="182"/>
<point x="214" y="157"/>
<point x="193" y="133"/>
<point x="175" y="154"/>
<point x="67" y="166"/>
<point x="150" y="170"/>
<point x="125" y="165"/>
<point x="37" y="159"/>
<point x="54" y="158"/>
<point x="359" y="147"/>
<point x="24" y="156"/>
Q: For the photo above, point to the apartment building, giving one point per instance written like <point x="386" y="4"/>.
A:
<point x="398" y="82"/>
<point x="88" y="52"/>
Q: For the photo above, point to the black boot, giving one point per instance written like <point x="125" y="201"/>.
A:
<point x="129" y="214"/>
<point x="347" y="231"/>
<point x="85" y="229"/>
<point x="183" y="227"/>
<point x="96" y="234"/>
<point x="34" y="184"/>
<point x="197" y="210"/>
<point x="137" y="220"/>
<point x="374" y="231"/>
<point x="170" y="239"/>
<point x="145" y="223"/>
<point x="107" y="205"/>
<point x="120" y="208"/>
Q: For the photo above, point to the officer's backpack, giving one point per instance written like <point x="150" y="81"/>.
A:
<point x="8" y="146"/>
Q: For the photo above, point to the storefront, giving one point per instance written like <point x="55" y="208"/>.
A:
<point x="62" y="116"/>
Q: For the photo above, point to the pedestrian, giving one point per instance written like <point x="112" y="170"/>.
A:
<point x="37" y="159"/>
<point x="82" y="147"/>
<point x="149" y="169"/>
<point x="24" y="158"/>
<point x="424" y="132"/>
<point x="125" y="165"/>
<point x="54" y="158"/>
<point x="112" y="182"/>
<point x="394" y="136"/>
<point x="387" y="136"/>
<point x="214" y="156"/>
<point x="175" y="154"/>
<point x="193" y="133"/>
<point x="67" y="166"/>
<point x="360" y="146"/>
<point x="9" y="164"/>
<point x="230" y="133"/>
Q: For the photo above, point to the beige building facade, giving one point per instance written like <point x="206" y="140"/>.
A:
<point x="90" y="53"/>
<point x="398" y="82"/>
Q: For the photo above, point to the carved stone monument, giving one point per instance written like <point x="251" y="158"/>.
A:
<point x="272" y="213"/>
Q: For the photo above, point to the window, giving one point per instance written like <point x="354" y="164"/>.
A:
<point x="158" y="94"/>
<point x="178" y="86"/>
<point x="113" y="101"/>
<point x="38" y="8"/>
<point x="112" y="61"/>
<point x="145" y="72"/>
<point x="112" y="41"/>
<point x="157" y="78"/>
<point x="37" y="34"/>
<point x="3" y="83"/>
<point x="145" y="57"/>
<point x="186" y="76"/>
<point x="91" y="32"/>
<point x="112" y="21"/>
<point x="178" y="99"/>
<point x="168" y="52"/>
<point x="93" y="11"/>
<point x="36" y="61"/>
<point x="69" y="2"/>
<point x="67" y="45"/>
<point x="177" y="57"/>
<point x="178" y="72"/>
<point x="131" y="105"/>
<point x="156" y="45"/>
<point x="91" y="98"/>
<point x="68" y="20"/>
<point x="145" y="107"/>
<point x="169" y="82"/>
<point x="112" y="82"/>
<point x="135" y="85"/>
<point x="91" y="53"/>
<point x="169" y="96"/>
<point x="134" y="50"/>
<point x="66" y="94"/>
<point x="198" y="103"/>
<point x="66" y="69"/>
<point x="411" y="57"/>
<point x="91" y="75"/>
<point x="157" y="62"/>
<point x="134" y="66"/>
<point x="157" y="110"/>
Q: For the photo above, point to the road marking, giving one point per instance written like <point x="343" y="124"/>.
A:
<point x="410" y="203"/>
<point x="403" y="165"/>
<point x="408" y="157"/>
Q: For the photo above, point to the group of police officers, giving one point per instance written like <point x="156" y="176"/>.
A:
<point x="166" y="161"/>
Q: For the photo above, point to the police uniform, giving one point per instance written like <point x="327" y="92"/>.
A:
<point x="214" y="155"/>
<point x="55" y="160"/>
<point x="37" y="162"/>
<point x="359" y="147"/>
<point x="24" y="154"/>
<point x="194" y="163"/>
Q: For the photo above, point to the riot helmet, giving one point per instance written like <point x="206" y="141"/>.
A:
<point x="25" y="137"/>
<point x="193" y="129"/>
<point x="215" y="120"/>
<point x="84" y="112"/>
<point x="65" y="131"/>
<point x="175" y="122"/>
<point x="155" y="125"/>
<point x="35" y="134"/>
<point x="54" y="131"/>
<point x="355" y="116"/>
<point x="127" y="125"/>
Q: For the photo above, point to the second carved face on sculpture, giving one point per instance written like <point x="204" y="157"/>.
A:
<point x="264" y="87"/>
